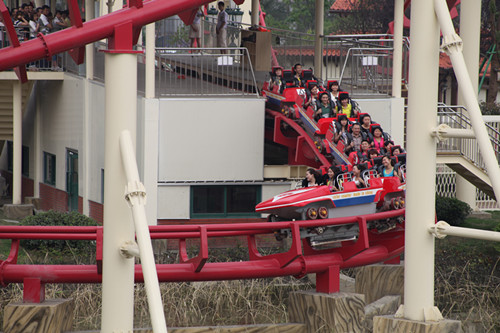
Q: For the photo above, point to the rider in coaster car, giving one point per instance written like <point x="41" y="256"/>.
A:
<point x="347" y="106"/>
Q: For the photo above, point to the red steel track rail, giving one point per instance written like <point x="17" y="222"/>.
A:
<point x="298" y="260"/>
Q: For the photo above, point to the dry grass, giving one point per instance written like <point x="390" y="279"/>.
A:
<point x="458" y="295"/>
<point x="476" y="303"/>
<point x="186" y="304"/>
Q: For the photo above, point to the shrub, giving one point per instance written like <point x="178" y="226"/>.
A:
<point x="53" y="218"/>
<point x="452" y="210"/>
<point x="490" y="108"/>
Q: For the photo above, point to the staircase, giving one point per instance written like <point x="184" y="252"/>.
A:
<point x="467" y="169"/>
<point x="462" y="155"/>
<point x="6" y="107"/>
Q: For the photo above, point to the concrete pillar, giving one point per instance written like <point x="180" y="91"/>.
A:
<point x="17" y="175"/>
<point x="470" y="25"/>
<point x="255" y="13"/>
<point x="89" y="48"/>
<point x="397" y="59"/>
<point x="150" y="150"/>
<point x="318" y="40"/>
<point x="150" y="60"/>
<point x="421" y="163"/>
<point x="118" y="272"/>
<point x="89" y="73"/>
<point x="38" y="154"/>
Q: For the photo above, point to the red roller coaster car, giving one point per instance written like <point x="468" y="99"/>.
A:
<point x="319" y="202"/>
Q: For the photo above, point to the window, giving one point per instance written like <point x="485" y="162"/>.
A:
<point x="25" y="159"/>
<point x="49" y="168"/>
<point x="224" y="200"/>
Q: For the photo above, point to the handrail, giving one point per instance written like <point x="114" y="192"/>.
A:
<point x="359" y="49"/>
<point x="136" y="198"/>
<point x="464" y="122"/>
<point x="201" y="64"/>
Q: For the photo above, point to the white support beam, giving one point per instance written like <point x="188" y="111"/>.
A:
<point x="17" y="167"/>
<point x="118" y="272"/>
<point x="150" y="61"/>
<point x="442" y="229"/>
<point x="470" y="31"/>
<point x="397" y="57"/>
<point x="421" y="164"/>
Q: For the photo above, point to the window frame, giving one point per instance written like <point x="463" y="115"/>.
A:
<point x="224" y="214"/>
<point x="49" y="158"/>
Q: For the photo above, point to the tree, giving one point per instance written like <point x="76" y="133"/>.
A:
<point x="366" y="16"/>
<point x="491" y="23"/>
<point x="295" y="15"/>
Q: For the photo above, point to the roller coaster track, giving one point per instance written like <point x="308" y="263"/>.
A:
<point x="298" y="260"/>
<point x="122" y="28"/>
<point x="302" y="149"/>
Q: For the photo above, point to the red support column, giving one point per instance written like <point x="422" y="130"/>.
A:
<point x="34" y="290"/>
<point x="329" y="280"/>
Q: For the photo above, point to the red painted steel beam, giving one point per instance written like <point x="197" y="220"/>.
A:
<point x="92" y="31"/>
<point x="294" y="262"/>
<point x="184" y="272"/>
<point x="302" y="133"/>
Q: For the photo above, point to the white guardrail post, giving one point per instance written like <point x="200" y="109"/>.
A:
<point x="135" y="194"/>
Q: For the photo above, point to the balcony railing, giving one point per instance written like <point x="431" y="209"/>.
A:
<point x="456" y="117"/>
<point x="203" y="72"/>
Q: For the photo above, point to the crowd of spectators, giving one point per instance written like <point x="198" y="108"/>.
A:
<point x="30" y="21"/>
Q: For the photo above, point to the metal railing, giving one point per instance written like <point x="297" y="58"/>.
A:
<point x="363" y="63"/>
<point x="292" y="47"/>
<point x="204" y="72"/>
<point x="455" y="117"/>
<point x="57" y="62"/>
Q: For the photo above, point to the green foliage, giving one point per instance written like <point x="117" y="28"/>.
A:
<point x="367" y="16"/>
<point x="53" y="218"/>
<point x="492" y="109"/>
<point x="452" y="210"/>
<point x="295" y="15"/>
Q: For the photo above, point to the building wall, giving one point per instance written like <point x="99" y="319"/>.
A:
<point x="61" y="121"/>
<point x="205" y="140"/>
<point x="53" y="198"/>
<point x="211" y="139"/>
<point x="389" y="113"/>
<point x="64" y="126"/>
<point x="173" y="202"/>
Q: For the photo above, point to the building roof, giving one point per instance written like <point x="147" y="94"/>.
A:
<point x="444" y="61"/>
<point x="307" y="51"/>
<point x="343" y="6"/>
